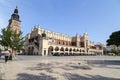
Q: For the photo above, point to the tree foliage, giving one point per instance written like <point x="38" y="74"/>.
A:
<point x="5" y="37"/>
<point x="17" y="41"/>
<point x="12" y="39"/>
<point x="114" y="39"/>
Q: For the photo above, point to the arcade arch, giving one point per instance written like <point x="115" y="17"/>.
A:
<point x="56" y="48"/>
<point x="50" y="49"/>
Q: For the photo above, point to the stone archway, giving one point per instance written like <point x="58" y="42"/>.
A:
<point x="77" y="49"/>
<point x="77" y="52"/>
<point x="66" y="51"/>
<point x="30" y="50"/>
<point x="70" y="51"/>
<point x="50" y="49"/>
<point x="74" y="51"/>
<point x="56" y="51"/>
<point x="56" y="48"/>
<point x="61" y="51"/>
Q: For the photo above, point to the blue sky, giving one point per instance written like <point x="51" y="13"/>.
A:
<point x="97" y="17"/>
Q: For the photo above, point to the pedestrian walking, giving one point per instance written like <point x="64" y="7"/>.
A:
<point x="6" y="56"/>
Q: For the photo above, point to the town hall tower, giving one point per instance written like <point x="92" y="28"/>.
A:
<point x="14" y="21"/>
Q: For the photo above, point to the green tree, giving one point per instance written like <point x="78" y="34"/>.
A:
<point x="5" y="37"/>
<point x="114" y="39"/>
<point x="12" y="39"/>
<point x="17" y="41"/>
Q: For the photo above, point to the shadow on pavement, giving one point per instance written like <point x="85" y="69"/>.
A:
<point x="104" y="63"/>
<point x="49" y="67"/>
<point x="42" y="66"/>
<point x="70" y="76"/>
<point x="24" y="76"/>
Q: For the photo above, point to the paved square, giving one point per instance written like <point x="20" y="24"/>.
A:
<point x="62" y="68"/>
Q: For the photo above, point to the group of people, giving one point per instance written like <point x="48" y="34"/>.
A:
<point x="8" y="55"/>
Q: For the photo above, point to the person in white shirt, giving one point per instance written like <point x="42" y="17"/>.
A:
<point x="6" y="56"/>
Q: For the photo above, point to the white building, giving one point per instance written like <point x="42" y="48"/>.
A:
<point x="46" y="42"/>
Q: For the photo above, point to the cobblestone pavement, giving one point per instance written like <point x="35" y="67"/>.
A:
<point x="2" y="69"/>
<point x="68" y="57"/>
<point x="61" y="68"/>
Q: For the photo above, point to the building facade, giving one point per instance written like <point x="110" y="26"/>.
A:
<point x="46" y="42"/>
<point x="14" y="21"/>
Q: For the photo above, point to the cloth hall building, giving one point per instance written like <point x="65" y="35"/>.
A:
<point x="46" y="42"/>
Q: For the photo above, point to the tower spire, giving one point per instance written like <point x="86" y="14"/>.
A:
<point x="15" y="15"/>
<point x="16" y="10"/>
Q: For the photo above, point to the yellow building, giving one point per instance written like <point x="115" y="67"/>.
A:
<point x="46" y="42"/>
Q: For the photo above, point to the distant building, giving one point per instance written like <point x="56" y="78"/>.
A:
<point x="112" y="47"/>
<point x="46" y="42"/>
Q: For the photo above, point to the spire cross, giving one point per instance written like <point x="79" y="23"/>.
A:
<point x="16" y="7"/>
